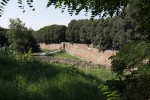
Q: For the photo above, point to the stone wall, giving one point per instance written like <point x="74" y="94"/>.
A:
<point x="84" y="52"/>
<point x="50" y="46"/>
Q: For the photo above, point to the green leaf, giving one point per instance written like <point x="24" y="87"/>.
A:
<point x="4" y="1"/>
<point x="3" y="4"/>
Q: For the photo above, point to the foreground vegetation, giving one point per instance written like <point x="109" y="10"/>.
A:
<point x="100" y="73"/>
<point x="38" y="81"/>
<point x="23" y="78"/>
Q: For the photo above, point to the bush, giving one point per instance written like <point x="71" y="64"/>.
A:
<point x="132" y="64"/>
<point x="9" y="56"/>
<point x="6" y="55"/>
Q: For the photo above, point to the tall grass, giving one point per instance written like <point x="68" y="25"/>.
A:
<point x="22" y="78"/>
<point x="44" y="81"/>
<point x="100" y="73"/>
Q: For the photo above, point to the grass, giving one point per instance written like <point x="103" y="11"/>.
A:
<point x="100" y="73"/>
<point x="48" y="50"/>
<point x="22" y="78"/>
<point x="45" y="81"/>
<point x="63" y="54"/>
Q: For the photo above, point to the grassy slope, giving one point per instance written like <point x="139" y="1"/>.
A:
<point x="100" y="73"/>
<point x="61" y="54"/>
<point x="65" y="55"/>
<point x="48" y="50"/>
<point x="44" y="81"/>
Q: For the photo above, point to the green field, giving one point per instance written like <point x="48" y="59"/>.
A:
<point x="48" y="50"/>
<point x="63" y="54"/>
<point x="45" y="81"/>
<point x="100" y="73"/>
<point x="60" y="54"/>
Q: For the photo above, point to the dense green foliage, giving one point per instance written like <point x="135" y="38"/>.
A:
<point x="9" y="56"/>
<point x="3" y="37"/>
<point x="131" y="64"/>
<point x="21" y="38"/>
<point x="132" y="55"/>
<point x="51" y="34"/>
<point x="81" y="31"/>
<point x="96" y="7"/>
<point x="141" y="16"/>
<point x="109" y="33"/>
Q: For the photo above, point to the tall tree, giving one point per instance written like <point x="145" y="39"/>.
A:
<point x="20" y="38"/>
<point x="72" y="32"/>
<point x="3" y="38"/>
<point x="51" y="34"/>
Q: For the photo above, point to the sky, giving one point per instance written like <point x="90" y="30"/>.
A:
<point x="39" y="18"/>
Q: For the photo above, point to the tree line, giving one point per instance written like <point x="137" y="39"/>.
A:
<point x="109" y="33"/>
<point x="3" y="38"/>
<point x="51" y="34"/>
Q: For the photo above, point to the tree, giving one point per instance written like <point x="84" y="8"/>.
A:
<point x="87" y="31"/>
<point x="95" y="6"/>
<point x="103" y="38"/>
<point x="20" y="38"/>
<point x="72" y="32"/>
<point x="51" y="34"/>
<point x="132" y="65"/>
<point x="3" y="38"/>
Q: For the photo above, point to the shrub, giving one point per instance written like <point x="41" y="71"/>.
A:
<point x="6" y="55"/>
<point x="132" y="64"/>
<point x="9" y="56"/>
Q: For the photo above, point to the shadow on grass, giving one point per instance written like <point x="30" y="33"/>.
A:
<point x="43" y="81"/>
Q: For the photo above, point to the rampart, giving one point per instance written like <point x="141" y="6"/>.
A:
<point x="83" y="51"/>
